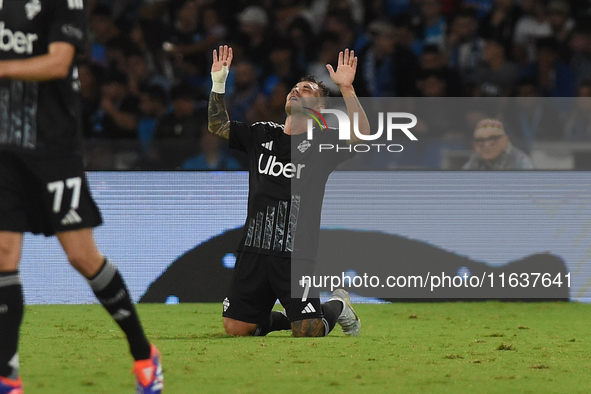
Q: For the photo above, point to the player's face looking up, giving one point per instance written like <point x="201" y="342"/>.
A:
<point x="304" y="89"/>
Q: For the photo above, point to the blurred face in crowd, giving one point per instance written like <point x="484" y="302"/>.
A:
<point x="584" y="91"/>
<point x="580" y="42"/>
<point x="116" y="58"/>
<point x="252" y="29"/>
<point x="490" y="143"/>
<point x="528" y="96"/>
<point x="210" y="143"/>
<point x="384" y="43"/>
<point x="584" y="99"/>
<point x="138" y="67"/>
<point x="404" y="36"/>
<point x="146" y="105"/>
<point x="211" y="18"/>
<point x="432" y="87"/>
<point x="102" y="27"/>
<point x="343" y="6"/>
<point x="329" y="51"/>
<point x="183" y="106"/>
<point x="137" y="34"/>
<point x="557" y="20"/>
<point x="431" y="9"/>
<point x="281" y="58"/>
<point x="493" y="50"/>
<point x="547" y="57"/>
<point x="464" y="27"/>
<point x="298" y="37"/>
<point x="503" y="4"/>
<point x="151" y="106"/>
<point x="115" y="91"/>
<point x="432" y="61"/>
<point x="244" y="76"/>
<point x="527" y="90"/>
<point x="528" y="6"/>
<point x="188" y="15"/>
<point x="539" y="8"/>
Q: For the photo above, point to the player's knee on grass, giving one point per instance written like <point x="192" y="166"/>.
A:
<point x="239" y="328"/>
<point x="308" y="328"/>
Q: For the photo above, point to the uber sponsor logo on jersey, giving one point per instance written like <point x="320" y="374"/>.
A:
<point x="274" y="167"/>
<point x="17" y="41"/>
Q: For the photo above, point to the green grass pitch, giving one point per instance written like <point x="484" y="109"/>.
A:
<point x="483" y="347"/>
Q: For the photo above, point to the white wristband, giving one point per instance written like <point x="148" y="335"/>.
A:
<point x="219" y="80"/>
<point x="218" y="87"/>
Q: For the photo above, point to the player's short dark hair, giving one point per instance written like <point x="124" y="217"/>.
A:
<point x="323" y="88"/>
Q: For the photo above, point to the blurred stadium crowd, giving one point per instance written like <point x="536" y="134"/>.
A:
<point x="145" y="76"/>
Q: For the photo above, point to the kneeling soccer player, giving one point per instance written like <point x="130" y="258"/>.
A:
<point x="288" y="174"/>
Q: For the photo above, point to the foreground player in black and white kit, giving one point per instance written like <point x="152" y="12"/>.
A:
<point x="43" y="188"/>
<point x="287" y="181"/>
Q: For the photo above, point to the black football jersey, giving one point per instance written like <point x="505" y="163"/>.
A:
<point x="287" y="179"/>
<point x="41" y="118"/>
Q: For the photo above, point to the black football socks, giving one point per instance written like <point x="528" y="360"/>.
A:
<point x="277" y="322"/>
<point x="331" y="310"/>
<point x="110" y="289"/>
<point x="11" y="315"/>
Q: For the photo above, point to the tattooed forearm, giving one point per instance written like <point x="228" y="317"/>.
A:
<point x="219" y="122"/>
<point x="308" y="328"/>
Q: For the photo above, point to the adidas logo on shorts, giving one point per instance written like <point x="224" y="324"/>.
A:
<point x="309" y="308"/>
<point x="71" y="217"/>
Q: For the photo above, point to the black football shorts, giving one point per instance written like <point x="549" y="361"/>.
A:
<point x="258" y="281"/>
<point x="44" y="195"/>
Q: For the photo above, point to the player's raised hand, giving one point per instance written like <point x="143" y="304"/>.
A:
<point x="220" y="68"/>
<point x="346" y="68"/>
<point x="222" y="58"/>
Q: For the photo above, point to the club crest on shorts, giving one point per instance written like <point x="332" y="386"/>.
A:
<point x="226" y="304"/>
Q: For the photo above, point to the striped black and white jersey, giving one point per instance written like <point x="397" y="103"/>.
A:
<point x="287" y="178"/>
<point x="40" y="118"/>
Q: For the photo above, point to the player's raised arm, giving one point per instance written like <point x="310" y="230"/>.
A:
<point x="343" y="77"/>
<point x="218" y="119"/>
